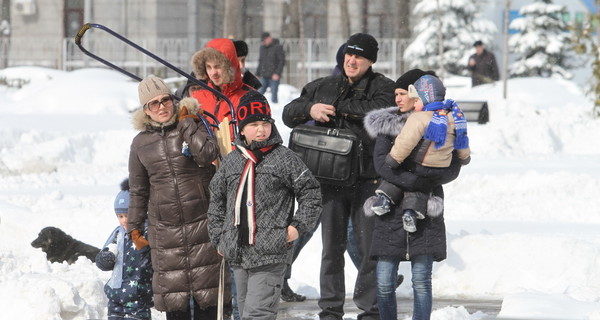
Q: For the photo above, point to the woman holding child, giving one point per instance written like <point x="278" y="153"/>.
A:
<point x="391" y="243"/>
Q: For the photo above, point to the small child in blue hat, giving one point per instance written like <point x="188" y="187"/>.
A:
<point x="129" y="289"/>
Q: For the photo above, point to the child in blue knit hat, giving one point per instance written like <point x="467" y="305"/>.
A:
<point x="129" y="289"/>
<point x="429" y="139"/>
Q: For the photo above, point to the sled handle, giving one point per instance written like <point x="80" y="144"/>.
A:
<point x="88" y="26"/>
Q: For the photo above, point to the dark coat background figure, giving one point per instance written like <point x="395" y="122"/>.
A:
<point x="170" y="189"/>
<point x="271" y="60"/>
<point x="389" y="237"/>
<point x="485" y="69"/>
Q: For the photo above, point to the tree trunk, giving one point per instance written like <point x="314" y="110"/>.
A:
<point x="345" y="19"/>
<point x="403" y="11"/>
<point x="291" y="19"/>
<point x="232" y="21"/>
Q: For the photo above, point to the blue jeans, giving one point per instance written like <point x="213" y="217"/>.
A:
<point x="387" y="273"/>
<point x="273" y="84"/>
<point x="352" y="246"/>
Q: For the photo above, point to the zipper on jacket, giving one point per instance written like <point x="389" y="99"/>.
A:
<point x="175" y="185"/>
<point x="407" y="246"/>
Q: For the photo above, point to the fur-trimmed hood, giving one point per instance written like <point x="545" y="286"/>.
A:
<point x="387" y="121"/>
<point x="223" y="52"/>
<point x="143" y="122"/>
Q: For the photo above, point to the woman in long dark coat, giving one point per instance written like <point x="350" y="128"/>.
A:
<point x="391" y="243"/>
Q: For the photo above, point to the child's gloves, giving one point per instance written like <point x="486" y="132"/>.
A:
<point x="105" y="260"/>
<point x="138" y="239"/>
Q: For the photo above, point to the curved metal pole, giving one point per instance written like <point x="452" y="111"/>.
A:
<point x="88" y="26"/>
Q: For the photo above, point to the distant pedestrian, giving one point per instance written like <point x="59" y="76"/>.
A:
<point x="271" y="61"/>
<point x="483" y="66"/>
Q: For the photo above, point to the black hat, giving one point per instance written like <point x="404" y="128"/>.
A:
<point x="264" y="35"/>
<point x="477" y="43"/>
<point x="364" y="45"/>
<point x="339" y="56"/>
<point x="408" y="78"/>
<point x="253" y="107"/>
<point x="241" y="48"/>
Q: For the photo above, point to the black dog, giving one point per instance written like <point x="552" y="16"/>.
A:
<point x="60" y="246"/>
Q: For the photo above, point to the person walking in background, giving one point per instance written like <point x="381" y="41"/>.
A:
<point x="391" y="243"/>
<point x="129" y="289"/>
<point x="482" y="65"/>
<point x="344" y="100"/>
<point x="271" y="61"/>
<point x="251" y="215"/>
<point x="170" y="167"/>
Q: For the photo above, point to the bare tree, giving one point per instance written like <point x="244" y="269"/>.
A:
<point x="232" y="22"/>
<point x="345" y="19"/>
<point x="291" y="19"/>
<point x="402" y="19"/>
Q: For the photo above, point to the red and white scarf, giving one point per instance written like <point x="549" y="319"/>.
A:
<point x="247" y="180"/>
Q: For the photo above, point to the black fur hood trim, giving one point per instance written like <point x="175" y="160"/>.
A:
<point x="387" y="121"/>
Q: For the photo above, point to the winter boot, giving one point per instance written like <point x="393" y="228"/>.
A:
<point x="399" y="280"/>
<point x="288" y="295"/>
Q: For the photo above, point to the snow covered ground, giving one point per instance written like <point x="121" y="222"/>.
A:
<point x="522" y="219"/>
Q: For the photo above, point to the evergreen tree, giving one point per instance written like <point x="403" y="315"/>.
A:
<point x="542" y="44"/>
<point x="456" y="23"/>
<point x="587" y="43"/>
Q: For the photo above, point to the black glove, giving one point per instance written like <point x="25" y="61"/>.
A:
<point x="105" y="260"/>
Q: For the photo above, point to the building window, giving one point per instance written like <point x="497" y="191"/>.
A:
<point x="73" y="17"/>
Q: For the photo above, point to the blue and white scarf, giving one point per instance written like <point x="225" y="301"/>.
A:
<point x="436" y="130"/>
<point x="118" y="237"/>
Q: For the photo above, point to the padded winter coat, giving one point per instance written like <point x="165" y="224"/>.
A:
<point x="281" y="179"/>
<point x="485" y="69"/>
<point x="271" y="60"/>
<point x="389" y="237"/>
<point x="352" y="102"/>
<point x="170" y="189"/>
<point x="133" y="293"/>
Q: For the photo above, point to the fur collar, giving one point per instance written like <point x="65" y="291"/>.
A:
<point x="142" y="122"/>
<point x="387" y="121"/>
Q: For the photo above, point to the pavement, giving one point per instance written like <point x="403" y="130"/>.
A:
<point x="309" y="309"/>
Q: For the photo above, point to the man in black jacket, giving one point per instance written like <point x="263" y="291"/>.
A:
<point x="483" y="66"/>
<point x="342" y="101"/>
<point x="271" y="60"/>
